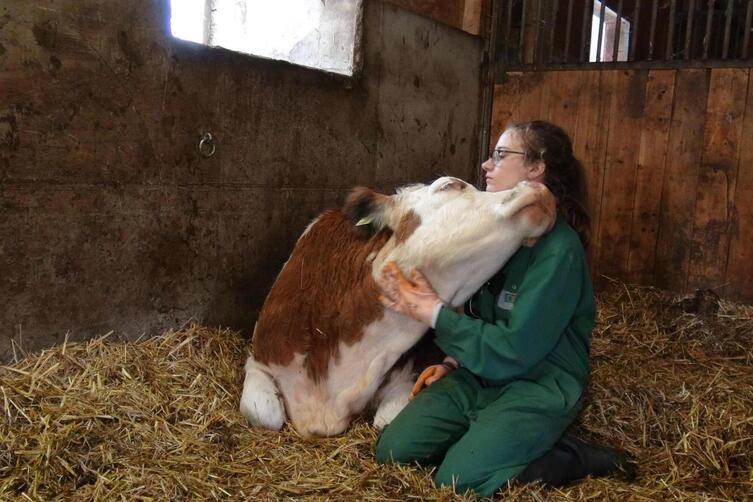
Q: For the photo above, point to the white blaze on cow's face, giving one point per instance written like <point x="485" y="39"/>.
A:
<point x="463" y="236"/>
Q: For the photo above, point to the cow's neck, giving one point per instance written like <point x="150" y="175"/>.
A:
<point x="454" y="281"/>
<point x="446" y="281"/>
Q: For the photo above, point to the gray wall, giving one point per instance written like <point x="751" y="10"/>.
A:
<point x="110" y="220"/>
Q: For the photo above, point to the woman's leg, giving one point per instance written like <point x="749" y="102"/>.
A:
<point x="500" y="442"/>
<point x="432" y="422"/>
<point x="514" y="424"/>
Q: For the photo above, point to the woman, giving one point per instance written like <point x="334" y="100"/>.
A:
<point x="518" y="359"/>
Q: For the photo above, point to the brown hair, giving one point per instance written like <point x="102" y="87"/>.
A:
<point x="564" y="174"/>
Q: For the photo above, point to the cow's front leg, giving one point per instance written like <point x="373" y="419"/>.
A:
<point x="260" y="400"/>
<point x="393" y="395"/>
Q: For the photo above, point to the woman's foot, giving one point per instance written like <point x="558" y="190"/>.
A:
<point x="571" y="459"/>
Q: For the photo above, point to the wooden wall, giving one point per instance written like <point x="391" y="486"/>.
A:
<point x="464" y="15"/>
<point x="669" y="160"/>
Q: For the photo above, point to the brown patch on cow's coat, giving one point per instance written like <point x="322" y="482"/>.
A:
<point x="538" y="206"/>
<point x="408" y="224"/>
<point x="546" y="209"/>
<point x="324" y="295"/>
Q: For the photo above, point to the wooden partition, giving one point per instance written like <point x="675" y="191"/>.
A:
<point x="669" y="161"/>
<point x="466" y="15"/>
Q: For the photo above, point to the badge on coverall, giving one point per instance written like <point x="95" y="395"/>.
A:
<point x="506" y="300"/>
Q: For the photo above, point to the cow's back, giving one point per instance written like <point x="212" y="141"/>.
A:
<point x="324" y="295"/>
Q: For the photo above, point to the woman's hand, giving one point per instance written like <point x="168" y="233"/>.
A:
<point x="414" y="297"/>
<point x="432" y="374"/>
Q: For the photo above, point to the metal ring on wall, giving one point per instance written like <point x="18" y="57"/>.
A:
<point x="207" y="147"/>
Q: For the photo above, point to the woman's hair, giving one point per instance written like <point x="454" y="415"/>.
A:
<point x="564" y="175"/>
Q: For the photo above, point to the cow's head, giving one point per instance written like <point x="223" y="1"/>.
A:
<point x="455" y="234"/>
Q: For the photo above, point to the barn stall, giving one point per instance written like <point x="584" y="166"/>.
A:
<point x="154" y="186"/>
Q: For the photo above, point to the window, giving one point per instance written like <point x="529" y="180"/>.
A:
<point x="319" y="34"/>
<point x="550" y="34"/>
<point x="603" y="36"/>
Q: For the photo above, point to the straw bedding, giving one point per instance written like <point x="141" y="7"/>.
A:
<point x="154" y="420"/>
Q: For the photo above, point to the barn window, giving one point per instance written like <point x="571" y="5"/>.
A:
<point x="552" y="34"/>
<point x="604" y="22"/>
<point x="317" y="34"/>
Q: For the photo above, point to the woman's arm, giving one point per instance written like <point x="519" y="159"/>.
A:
<point x="546" y="301"/>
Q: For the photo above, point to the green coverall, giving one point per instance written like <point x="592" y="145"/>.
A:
<point x="523" y="348"/>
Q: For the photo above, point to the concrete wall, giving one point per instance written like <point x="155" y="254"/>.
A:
<point x="111" y="220"/>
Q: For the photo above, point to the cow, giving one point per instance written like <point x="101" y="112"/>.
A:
<point x="324" y="345"/>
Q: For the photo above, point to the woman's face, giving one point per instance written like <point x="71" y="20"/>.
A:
<point x="511" y="166"/>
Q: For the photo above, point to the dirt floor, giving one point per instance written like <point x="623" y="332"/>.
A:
<point x="158" y="419"/>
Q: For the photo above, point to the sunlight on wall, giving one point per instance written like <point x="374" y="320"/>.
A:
<point x="187" y="20"/>
<point x="311" y="33"/>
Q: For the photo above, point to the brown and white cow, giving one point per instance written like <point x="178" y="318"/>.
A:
<point x="323" y="344"/>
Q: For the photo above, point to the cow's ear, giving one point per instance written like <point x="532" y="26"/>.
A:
<point x="367" y="210"/>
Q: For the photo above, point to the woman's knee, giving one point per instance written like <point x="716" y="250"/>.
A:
<point x="458" y="471"/>
<point x="424" y="430"/>
<point x="464" y="479"/>
<point x="391" y="447"/>
<point x="470" y="468"/>
<point x="458" y="479"/>
<point x="445" y="477"/>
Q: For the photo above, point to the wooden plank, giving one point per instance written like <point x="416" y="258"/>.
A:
<point x="559" y="100"/>
<point x="546" y="95"/>
<point x="450" y="12"/>
<point x="680" y="179"/>
<point x="717" y="176"/>
<point x="739" y="274"/>
<point x="531" y="30"/>
<point x="516" y="100"/>
<point x="589" y="144"/>
<point x="472" y="16"/>
<point x="652" y="157"/>
<point x="623" y="144"/>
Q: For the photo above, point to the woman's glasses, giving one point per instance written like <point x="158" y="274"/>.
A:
<point x="499" y="154"/>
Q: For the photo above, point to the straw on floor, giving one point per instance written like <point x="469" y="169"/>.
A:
<point x="107" y="420"/>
